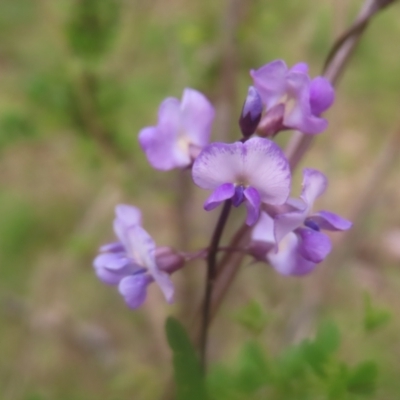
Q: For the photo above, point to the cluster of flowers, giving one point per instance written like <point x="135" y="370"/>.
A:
<point x="253" y="171"/>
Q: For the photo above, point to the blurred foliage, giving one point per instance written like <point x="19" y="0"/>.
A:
<point x="309" y="370"/>
<point x="92" y="26"/>
<point x="374" y="317"/>
<point x="252" y="316"/>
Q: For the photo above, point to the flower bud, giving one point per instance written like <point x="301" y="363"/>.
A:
<point x="168" y="259"/>
<point x="251" y="112"/>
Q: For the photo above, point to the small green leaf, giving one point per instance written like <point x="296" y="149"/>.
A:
<point x="318" y="352"/>
<point x="362" y="380"/>
<point x="253" y="368"/>
<point x="328" y="337"/>
<point x="252" y="317"/>
<point x="291" y="363"/>
<point x="374" y="318"/>
<point x="187" y="372"/>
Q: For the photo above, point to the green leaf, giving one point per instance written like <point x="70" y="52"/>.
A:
<point x="374" y="318"/>
<point x="328" y="337"/>
<point x="187" y="372"/>
<point x="253" y="368"/>
<point x="318" y="352"/>
<point x="291" y="363"/>
<point x="362" y="380"/>
<point x="92" y="26"/>
<point x="252" y="317"/>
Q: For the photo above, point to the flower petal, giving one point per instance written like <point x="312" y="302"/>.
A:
<point x="322" y="95"/>
<point x="330" y="221"/>
<point x="111" y="261"/>
<point x="270" y="81"/>
<point x="161" y="143"/>
<point x="120" y="230"/>
<point x="287" y="222"/>
<point x="253" y="202"/>
<point x="115" y="247"/>
<point x="288" y="260"/>
<point x="298" y="114"/>
<point x="263" y="230"/>
<point x="111" y="268"/>
<point x="134" y="289"/>
<point x="142" y="249"/>
<point x="314" y="184"/>
<point x="220" y="194"/>
<point x="129" y="215"/>
<point x="266" y="169"/>
<point x="300" y="67"/>
<point x="197" y="115"/>
<point x="314" y="246"/>
<point x="217" y="164"/>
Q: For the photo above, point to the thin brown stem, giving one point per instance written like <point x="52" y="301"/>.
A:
<point x="210" y="278"/>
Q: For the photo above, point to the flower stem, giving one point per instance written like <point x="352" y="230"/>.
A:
<point x="210" y="278"/>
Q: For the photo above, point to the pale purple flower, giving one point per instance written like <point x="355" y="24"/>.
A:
<point x="252" y="172"/>
<point x="183" y="129"/>
<point x="134" y="262"/>
<point x="291" y="238"/>
<point x="291" y="98"/>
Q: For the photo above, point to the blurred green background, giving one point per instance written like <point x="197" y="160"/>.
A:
<point x="78" y="80"/>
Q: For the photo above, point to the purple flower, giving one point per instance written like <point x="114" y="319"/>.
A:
<point x="292" y="99"/>
<point x="295" y="243"/>
<point x="134" y="262"/>
<point x="253" y="172"/>
<point x="183" y="130"/>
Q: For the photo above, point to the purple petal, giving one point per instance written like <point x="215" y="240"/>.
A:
<point x="217" y="164"/>
<point x="120" y="230"/>
<point x="322" y="95"/>
<point x="111" y="261"/>
<point x="266" y="169"/>
<point x="129" y="215"/>
<point x="111" y="268"/>
<point x="140" y="246"/>
<point x="253" y="203"/>
<point x="330" y="221"/>
<point x="270" y="81"/>
<point x="287" y="222"/>
<point x="263" y="230"/>
<point x="220" y="194"/>
<point x="163" y="146"/>
<point x="314" y="185"/>
<point x="197" y="115"/>
<point x="142" y="249"/>
<point x="300" y="67"/>
<point x="115" y="247"/>
<point x="298" y="114"/>
<point x="288" y="260"/>
<point x="314" y="246"/>
<point x="134" y="289"/>
<point x="258" y="163"/>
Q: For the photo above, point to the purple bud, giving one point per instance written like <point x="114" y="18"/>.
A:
<point x="168" y="259"/>
<point x="251" y="112"/>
